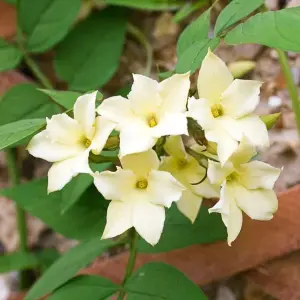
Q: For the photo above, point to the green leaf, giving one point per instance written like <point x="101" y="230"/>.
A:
<point x="89" y="56"/>
<point x="191" y="59"/>
<point x="46" y="22"/>
<point x="179" y="232"/>
<point x="10" y="56"/>
<point x="66" y="99"/>
<point x="72" y="192"/>
<point x="148" y="4"/>
<point x="276" y="29"/>
<point x="196" y="32"/>
<point x="161" y="281"/>
<point x="13" y="132"/>
<point x="234" y="12"/>
<point x="84" y="220"/>
<point x="17" y="261"/>
<point x="46" y="258"/>
<point x="67" y="266"/>
<point x="24" y="101"/>
<point x="85" y="287"/>
<point x="270" y="119"/>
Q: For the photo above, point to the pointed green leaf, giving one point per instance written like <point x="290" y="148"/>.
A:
<point x="157" y="281"/>
<point x="24" y="101"/>
<point x="85" y="219"/>
<point x="234" y="12"/>
<point x="10" y="56"/>
<point x="13" y="132"/>
<point x="179" y="232"/>
<point x="46" y="22"/>
<point x="196" y="32"/>
<point x="89" y="56"/>
<point x="66" y="99"/>
<point x="67" y="266"/>
<point x="191" y="59"/>
<point x="85" y="287"/>
<point x="276" y="29"/>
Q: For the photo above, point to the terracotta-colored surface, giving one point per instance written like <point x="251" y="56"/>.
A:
<point x="7" y="20"/>
<point x="258" y="242"/>
<point x="9" y="79"/>
<point x="280" y="278"/>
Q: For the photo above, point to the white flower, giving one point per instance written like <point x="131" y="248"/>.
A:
<point x="139" y="193"/>
<point x="225" y="108"/>
<point x="187" y="170"/>
<point x="67" y="142"/>
<point x="152" y="110"/>
<point x="246" y="186"/>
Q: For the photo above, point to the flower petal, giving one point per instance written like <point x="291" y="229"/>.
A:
<point x="241" y="97"/>
<point x="214" y="78"/>
<point x="206" y="190"/>
<point x="231" y="126"/>
<point x="118" y="219"/>
<point x="115" y="185"/>
<point x="65" y="130"/>
<point x="189" y="204"/>
<point x="42" y="147"/>
<point x="148" y="220"/>
<point x="62" y="172"/>
<point x="216" y="173"/>
<point x="258" y="204"/>
<point x="103" y="128"/>
<point x="144" y="96"/>
<point x="141" y="163"/>
<point x="257" y="174"/>
<point x="163" y="188"/>
<point x="174" y="92"/>
<point x="170" y="124"/>
<point x="200" y="110"/>
<point x="244" y="153"/>
<point x="174" y="147"/>
<point x="226" y="145"/>
<point x="254" y="130"/>
<point x="231" y="214"/>
<point x="136" y="137"/>
<point x="84" y="113"/>
<point x="116" y="109"/>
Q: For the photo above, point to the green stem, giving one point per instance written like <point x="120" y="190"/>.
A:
<point x="292" y="88"/>
<point x="21" y="218"/>
<point x="139" y="35"/>
<point x="131" y="261"/>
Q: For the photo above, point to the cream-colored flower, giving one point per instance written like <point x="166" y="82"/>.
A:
<point x="139" y="194"/>
<point x="152" y="110"/>
<point x="225" y="108"/>
<point x="67" y="142"/>
<point x="245" y="186"/>
<point x="187" y="170"/>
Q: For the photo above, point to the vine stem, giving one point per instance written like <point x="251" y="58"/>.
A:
<point x="131" y="261"/>
<point x="292" y="88"/>
<point x="139" y="35"/>
<point x="21" y="218"/>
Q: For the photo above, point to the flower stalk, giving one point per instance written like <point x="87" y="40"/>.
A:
<point x="21" y="218"/>
<point x="133" y="236"/>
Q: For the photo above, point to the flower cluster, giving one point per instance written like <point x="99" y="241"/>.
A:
<point x="221" y="129"/>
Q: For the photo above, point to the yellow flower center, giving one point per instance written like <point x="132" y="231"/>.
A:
<point x="87" y="142"/>
<point x="232" y="176"/>
<point x="182" y="163"/>
<point x="142" y="184"/>
<point x="152" y="122"/>
<point x="217" y="110"/>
